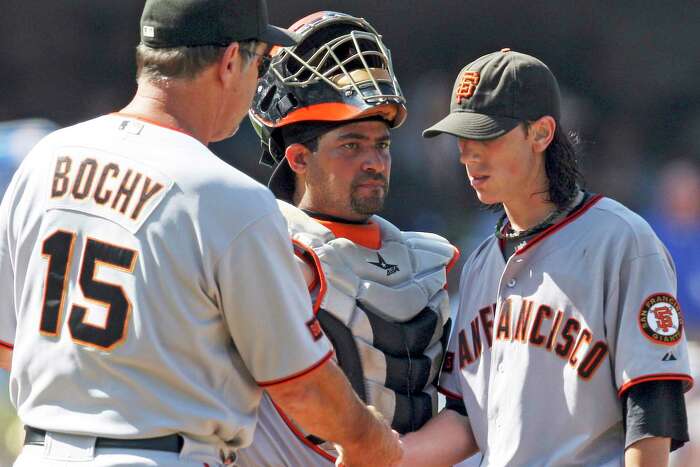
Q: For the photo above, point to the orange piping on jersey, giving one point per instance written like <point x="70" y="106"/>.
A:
<point x="300" y="435"/>
<point x="658" y="377"/>
<point x="450" y="394"/>
<point x="319" y="274"/>
<point x="367" y="235"/>
<point x="7" y="345"/>
<point x="454" y="259"/>
<point x="152" y="122"/>
<point x="299" y="374"/>
<point x="301" y="254"/>
<point x="589" y="204"/>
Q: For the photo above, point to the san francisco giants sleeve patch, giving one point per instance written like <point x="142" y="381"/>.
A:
<point x="315" y="328"/>
<point x="660" y="319"/>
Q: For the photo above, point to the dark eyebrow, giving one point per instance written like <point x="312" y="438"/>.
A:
<point x="360" y="136"/>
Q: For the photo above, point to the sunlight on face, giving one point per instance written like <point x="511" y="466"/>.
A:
<point x="502" y="169"/>
<point x="348" y="176"/>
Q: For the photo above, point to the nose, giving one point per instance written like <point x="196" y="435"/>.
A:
<point x="376" y="160"/>
<point x="468" y="149"/>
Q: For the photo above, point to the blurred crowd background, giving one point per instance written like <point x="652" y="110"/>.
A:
<point x="628" y="73"/>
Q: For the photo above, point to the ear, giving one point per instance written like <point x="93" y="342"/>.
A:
<point x="297" y="157"/>
<point x="542" y="131"/>
<point x="229" y="64"/>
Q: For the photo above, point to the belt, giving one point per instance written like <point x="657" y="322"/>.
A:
<point x="171" y="443"/>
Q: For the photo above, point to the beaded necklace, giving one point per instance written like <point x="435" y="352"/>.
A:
<point x="511" y="234"/>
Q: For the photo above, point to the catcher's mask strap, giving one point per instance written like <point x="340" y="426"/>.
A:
<point x="266" y="158"/>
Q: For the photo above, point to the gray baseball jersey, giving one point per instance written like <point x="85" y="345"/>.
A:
<point x="544" y="344"/>
<point x="147" y="287"/>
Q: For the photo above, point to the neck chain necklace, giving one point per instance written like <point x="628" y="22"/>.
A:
<point x="511" y="234"/>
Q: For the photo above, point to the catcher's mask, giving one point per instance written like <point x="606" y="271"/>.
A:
<point x="339" y="71"/>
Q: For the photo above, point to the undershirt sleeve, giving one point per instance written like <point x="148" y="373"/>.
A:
<point x="655" y="409"/>
<point x="457" y="405"/>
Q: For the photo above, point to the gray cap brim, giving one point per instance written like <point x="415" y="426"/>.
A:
<point x="472" y="125"/>
<point x="278" y="36"/>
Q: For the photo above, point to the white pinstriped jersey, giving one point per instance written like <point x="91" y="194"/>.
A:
<point x="147" y="287"/>
<point x="544" y="343"/>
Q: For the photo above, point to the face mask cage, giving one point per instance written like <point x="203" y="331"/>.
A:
<point x="356" y="62"/>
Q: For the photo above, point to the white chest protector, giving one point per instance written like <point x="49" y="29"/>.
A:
<point x="386" y="312"/>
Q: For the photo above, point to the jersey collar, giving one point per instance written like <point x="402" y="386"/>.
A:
<point x="152" y="122"/>
<point x="556" y="227"/>
<point x="367" y="235"/>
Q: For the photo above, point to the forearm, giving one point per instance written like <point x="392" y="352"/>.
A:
<point x="444" y="441"/>
<point x="5" y="358"/>
<point x="325" y="405"/>
<point x="648" y="452"/>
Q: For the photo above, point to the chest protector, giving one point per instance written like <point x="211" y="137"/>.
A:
<point x="386" y="312"/>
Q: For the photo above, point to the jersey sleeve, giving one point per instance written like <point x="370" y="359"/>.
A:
<point x="8" y="317"/>
<point x="649" y="343"/>
<point x="267" y="305"/>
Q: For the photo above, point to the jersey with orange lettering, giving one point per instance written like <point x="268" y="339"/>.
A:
<point x="575" y="317"/>
<point x="131" y="266"/>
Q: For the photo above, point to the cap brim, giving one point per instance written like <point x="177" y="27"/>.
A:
<point x="282" y="182"/>
<point x="278" y="36"/>
<point x="472" y="126"/>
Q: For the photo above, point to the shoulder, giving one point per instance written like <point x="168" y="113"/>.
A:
<point x="302" y="227"/>
<point x="610" y="221"/>
<point x="424" y="243"/>
<point x="481" y="252"/>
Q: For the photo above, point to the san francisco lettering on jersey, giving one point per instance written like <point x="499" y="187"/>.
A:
<point x="538" y="325"/>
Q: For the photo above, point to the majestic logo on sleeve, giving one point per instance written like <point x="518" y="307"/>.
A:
<point x="660" y="319"/>
<point x="389" y="268"/>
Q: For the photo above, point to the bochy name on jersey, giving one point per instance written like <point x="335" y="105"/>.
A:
<point x="122" y="190"/>
<point x="536" y="324"/>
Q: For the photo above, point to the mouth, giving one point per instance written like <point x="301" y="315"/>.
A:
<point x="478" y="180"/>
<point x="372" y="183"/>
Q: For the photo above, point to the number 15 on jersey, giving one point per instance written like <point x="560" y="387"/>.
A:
<point x="57" y="248"/>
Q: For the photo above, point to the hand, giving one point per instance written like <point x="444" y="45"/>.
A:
<point x="372" y="458"/>
<point x="385" y="449"/>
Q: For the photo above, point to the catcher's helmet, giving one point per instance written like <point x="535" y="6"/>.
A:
<point x="339" y="71"/>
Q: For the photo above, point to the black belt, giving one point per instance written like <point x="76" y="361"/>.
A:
<point x="170" y="443"/>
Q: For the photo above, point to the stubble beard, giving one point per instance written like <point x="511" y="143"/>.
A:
<point x="372" y="204"/>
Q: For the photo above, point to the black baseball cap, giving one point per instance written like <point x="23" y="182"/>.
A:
<point x="177" y="23"/>
<point x="496" y="92"/>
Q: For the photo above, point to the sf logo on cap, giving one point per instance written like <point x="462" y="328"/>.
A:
<point x="467" y="86"/>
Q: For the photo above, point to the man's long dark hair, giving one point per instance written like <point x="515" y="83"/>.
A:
<point x="561" y="166"/>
